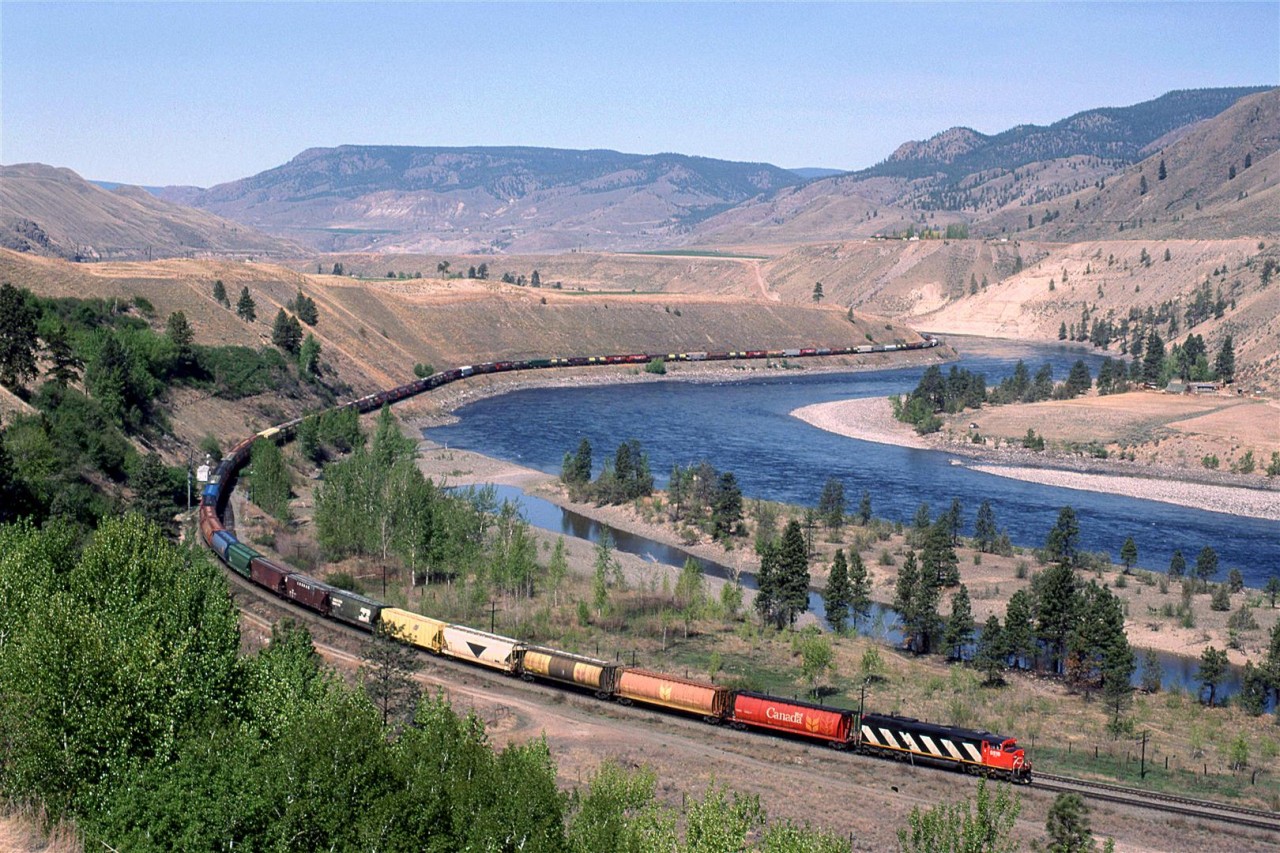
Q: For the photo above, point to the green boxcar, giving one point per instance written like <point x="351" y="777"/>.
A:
<point x="239" y="555"/>
<point x="539" y="362"/>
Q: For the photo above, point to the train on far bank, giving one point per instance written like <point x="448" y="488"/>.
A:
<point x="902" y="738"/>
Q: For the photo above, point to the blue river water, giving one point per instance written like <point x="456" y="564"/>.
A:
<point x="746" y="427"/>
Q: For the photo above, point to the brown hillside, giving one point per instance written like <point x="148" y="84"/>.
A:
<point x="1198" y="198"/>
<point x="373" y="332"/>
<point x="50" y="211"/>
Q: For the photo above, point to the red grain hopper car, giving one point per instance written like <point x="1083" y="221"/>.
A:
<point x="834" y="725"/>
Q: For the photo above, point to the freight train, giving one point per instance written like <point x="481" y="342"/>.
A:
<point x="896" y="737"/>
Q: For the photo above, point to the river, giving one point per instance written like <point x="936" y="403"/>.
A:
<point x="745" y="427"/>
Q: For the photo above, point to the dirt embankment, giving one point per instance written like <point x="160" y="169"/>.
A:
<point x="1163" y="433"/>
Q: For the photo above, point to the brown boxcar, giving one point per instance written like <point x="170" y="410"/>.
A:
<point x="785" y="715"/>
<point x="669" y="691"/>
<point x="478" y="647"/>
<point x="598" y="675"/>
<point x="208" y="523"/>
<point x="268" y="574"/>
<point x="308" y="592"/>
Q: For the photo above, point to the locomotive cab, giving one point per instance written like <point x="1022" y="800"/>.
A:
<point x="1005" y="755"/>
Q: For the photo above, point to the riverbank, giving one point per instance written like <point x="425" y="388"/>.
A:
<point x="871" y="419"/>
<point x="1151" y="599"/>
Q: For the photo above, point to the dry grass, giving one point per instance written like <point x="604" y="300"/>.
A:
<point x="23" y="829"/>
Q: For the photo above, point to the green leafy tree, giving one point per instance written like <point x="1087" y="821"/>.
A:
<point x="269" y="478"/>
<point x="17" y="337"/>
<point x="246" y="308"/>
<point x="816" y="657"/>
<point x="691" y="593"/>
<point x="1068" y="825"/>
<point x="309" y="357"/>
<point x="985" y="825"/>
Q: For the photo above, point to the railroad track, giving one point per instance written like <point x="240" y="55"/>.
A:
<point x="1203" y="809"/>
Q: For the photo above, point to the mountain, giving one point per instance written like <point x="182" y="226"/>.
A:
<point x="991" y="183"/>
<point x="811" y="172"/>
<point x="395" y="198"/>
<point x="54" y="212"/>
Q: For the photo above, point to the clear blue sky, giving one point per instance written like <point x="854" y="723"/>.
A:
<point x="188" y="93"/>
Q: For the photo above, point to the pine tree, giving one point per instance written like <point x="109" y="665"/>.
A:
<point x="938" y="558"/>
<point x="246" y="308"/>
<point x="1206" y="565"/>
<point x="179" y="333"/>
<point x="1213" y="664"/>
<point x="1062" y="540"/>
<point x="1129" y="554"/>
<point x="387" y="676"/>
<point x="984" y="528"/>
<point x="831" y="503"/>
<point x="64" y="365"/>
<point x="1177" y="565"/>
<point x="793" y="568"/>
<point x="1153" y="361"/>
<point x="1019" y="629"/>
<point x="1068" y="826"/>
<point x="153" y="493"/>
<point x="838" y="594"/>
<point x="1224" y="366"/>
<point x="220" y="294"/>
<point x="1055" y="598"/>
<point x="859" y="588"/>
<point x="959" y="630"/>
<point x="768" y="581"/>
<point x="17" y="338"/>
<point x="864" y="508"/>
<point x="286" y="333"/>
<point x="990" y="655"/>
<point x="305" y="307"/>
<point x="1163" y="172"/>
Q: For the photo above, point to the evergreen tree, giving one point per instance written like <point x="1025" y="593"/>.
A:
<point x="1151" y="671"/>
<point x="793" y="569"/>
<point x="768" y="582"/>
<point x="286" y="333"/>
<point x="1019" y="628"/>
<point x="859" y="588"/>
<point x="153" y="493"/>
<point x="1177" y="565"/>
<point x="1078" y="380"/>
<point x="1055" y="598"/>
<point x="576" y="470"/>
<point x="1206" y="565"/>
<point x="305" y="309"/>
<point x="1213" y="665"/>
<point x="220" y="294"/>
<point x="959" y="630"/>
<point x="817" y="292"/>
<point x="990" y="655"/>
<point x="64" y="364"/>
<point x="1063" y="538"/>
<point x="387" y="675"/>
<point x="916" y="600"/>
<point x="838" y="594"/>
<point x="1163" y="172"/>
<point x="1129" y="554"/>
<point x="246" y="308"/>
<point x="1153" y="361"/>
<point x="1272" y="589"/>
<point x="179" y="333"/>
<point x="17" y="338"/>
<point x="1224" y="366"/>
<point x="864" y="508"/>
<point x="726" y="509"/>
<point x="1253" y="690"/>
<point x="985" y="533"/>
<point x="1068" y="826"/>
<point x="831" y="503"/>
<point x="938" y="558"/>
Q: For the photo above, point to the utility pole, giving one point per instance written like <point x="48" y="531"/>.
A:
<point x="1142" y="772"/>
